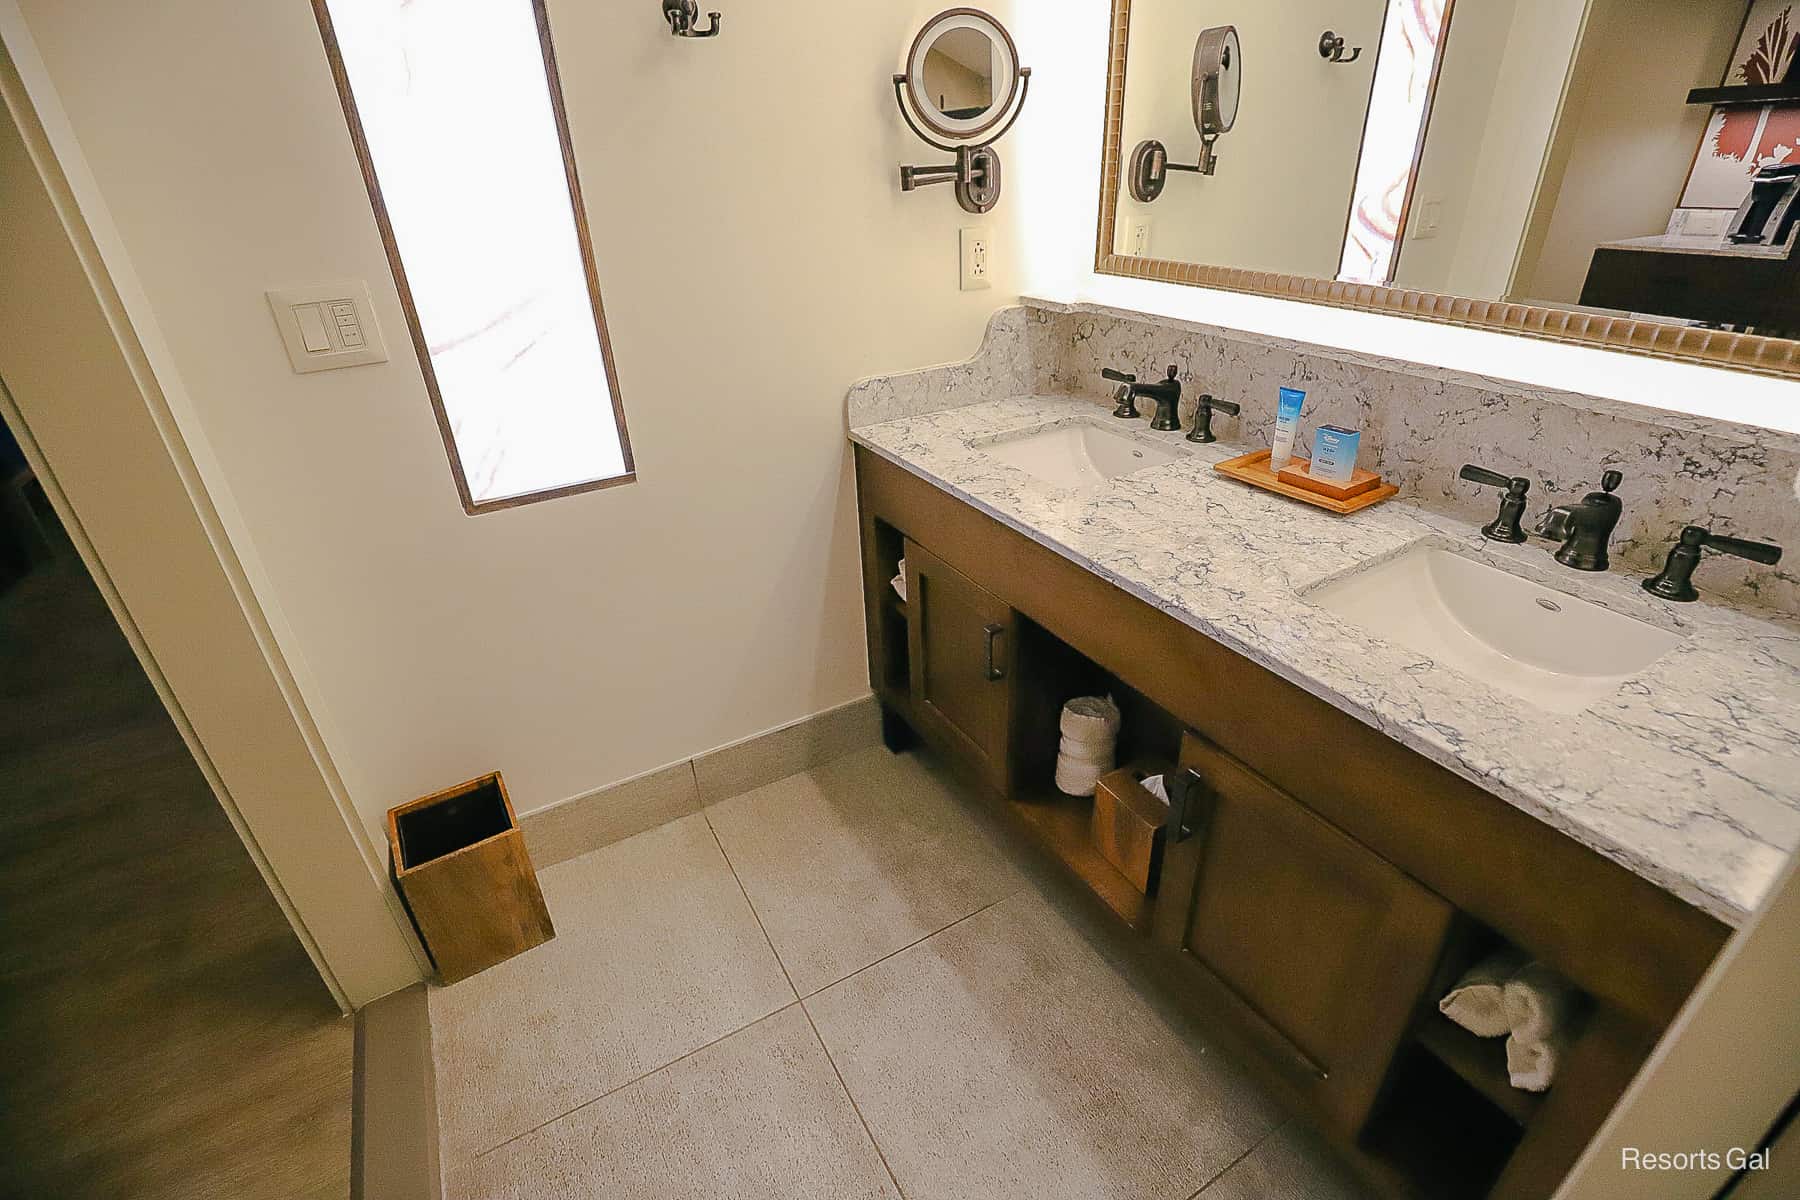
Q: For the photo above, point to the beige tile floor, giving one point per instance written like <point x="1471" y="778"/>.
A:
<point x="843" y="984"/>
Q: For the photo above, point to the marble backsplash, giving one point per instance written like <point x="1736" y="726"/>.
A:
<point x="1419" y="424"/>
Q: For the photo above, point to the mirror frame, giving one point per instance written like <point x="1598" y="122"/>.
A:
<point x="1707" y="347"/>
<point x="915" y="71"/>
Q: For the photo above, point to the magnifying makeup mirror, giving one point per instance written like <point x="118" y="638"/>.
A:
<point x="962" y="73"/>
<point x="962" y="80"/>
<point x="1218" y="81"/>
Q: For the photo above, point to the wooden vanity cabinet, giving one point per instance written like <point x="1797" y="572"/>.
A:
<point x="961" y="642"/>
<point x="1321" y="947"/>
<point x="1310" y="907"/>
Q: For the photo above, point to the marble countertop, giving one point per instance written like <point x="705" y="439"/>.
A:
<point x="1714" y="247"/>
<point x="1689" y="775"/>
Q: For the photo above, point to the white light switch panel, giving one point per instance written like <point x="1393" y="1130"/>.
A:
<point x="328" y="325"/>
<point x="1430" y="221"/>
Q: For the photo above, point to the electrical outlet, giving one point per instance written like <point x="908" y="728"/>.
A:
<point x="977" y="260"/>
<point x="1139" y="244"/>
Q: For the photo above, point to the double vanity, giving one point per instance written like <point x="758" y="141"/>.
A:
<point x="1405" y="745"/>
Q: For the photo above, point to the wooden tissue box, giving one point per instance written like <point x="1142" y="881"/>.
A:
<point x="459" y="861"/>
<point x="1129" y="824"/>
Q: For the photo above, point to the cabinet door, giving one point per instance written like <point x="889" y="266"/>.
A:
<point x="962" y="644"/>
<point x="1320" y="946"/>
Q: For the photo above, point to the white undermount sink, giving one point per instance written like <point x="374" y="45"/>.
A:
<point x="1552" y="649"/>
<point x="1077" y="456"/>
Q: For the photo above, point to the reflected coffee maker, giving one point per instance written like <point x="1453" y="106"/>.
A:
<point x="1770" y="210"/>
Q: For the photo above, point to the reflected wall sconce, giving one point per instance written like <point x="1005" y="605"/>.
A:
<point x="683" y="17"/>
<point x="1218" y="81"/>
<point x="963" y="81"/>
<point x="1331" y="48"/>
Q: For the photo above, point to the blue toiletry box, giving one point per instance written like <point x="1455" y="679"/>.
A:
<point x="1334" y="453"/>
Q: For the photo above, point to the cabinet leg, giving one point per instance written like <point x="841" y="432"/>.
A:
<point x="896" y="734"/>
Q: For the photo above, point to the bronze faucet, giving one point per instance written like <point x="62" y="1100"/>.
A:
<point x="1166" y="393"/>
<point x="1584" y="529"/>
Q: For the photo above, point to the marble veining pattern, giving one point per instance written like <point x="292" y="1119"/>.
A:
<point x="1688" y="775"/>
<point x="1420" y="424"/>
<point x="1005" y="365"/>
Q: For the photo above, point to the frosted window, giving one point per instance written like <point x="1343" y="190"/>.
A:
<point x="454" y="100"/>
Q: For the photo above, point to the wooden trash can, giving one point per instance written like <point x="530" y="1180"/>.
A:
<point x="459" y="862"/>
<point x="1128" y="824"/>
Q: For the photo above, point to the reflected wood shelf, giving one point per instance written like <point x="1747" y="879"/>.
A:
<point x="1737" y="94"/>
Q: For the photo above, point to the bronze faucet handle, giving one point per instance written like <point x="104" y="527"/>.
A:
<point x="1117" y="376"/>
<point x="1505" y="527"/>
<point x="1676" y="580"/>
<point x="1766" y="553"/>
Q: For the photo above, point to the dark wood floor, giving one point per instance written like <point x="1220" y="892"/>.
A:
<point x="162" y="1033"/>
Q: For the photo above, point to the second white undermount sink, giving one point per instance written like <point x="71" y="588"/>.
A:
<point x="1078" y="456"/>
<point x="1559" y="652"/>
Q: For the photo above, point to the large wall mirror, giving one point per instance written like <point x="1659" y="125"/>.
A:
<point x="1623" y="173"/>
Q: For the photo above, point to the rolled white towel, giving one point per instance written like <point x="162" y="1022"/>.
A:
<point x="1539" y="1002"/>
<point x="1090" y="733"/>
<point x="1478" y="1001"/>
<point x="1539" y="1005"/>
<point x="1090" y="719"/>
<point x="1531" y="1066"/>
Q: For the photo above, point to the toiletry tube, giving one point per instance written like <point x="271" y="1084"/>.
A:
<point x="1287" y="423"/>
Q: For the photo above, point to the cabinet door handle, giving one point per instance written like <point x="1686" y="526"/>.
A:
<point x="1184" y="805"/>
<point x="995" y="674"/>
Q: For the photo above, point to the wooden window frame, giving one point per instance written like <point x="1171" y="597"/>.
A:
<point x="353" y="120"/>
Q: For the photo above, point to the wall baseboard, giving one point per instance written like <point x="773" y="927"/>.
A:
<point x="394" y="1115"/>
<point x="611" y="814"/>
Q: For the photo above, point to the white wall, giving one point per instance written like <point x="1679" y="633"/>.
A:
<point x="1628" y="138"/>
<point x="1281" y="195"/>
<point x="575" y="643"/>
<point x="1496" y="106"/>
<point x="1738" y="1026"/>
<point x="93" y="412"/>
<point x="756" y="257"/>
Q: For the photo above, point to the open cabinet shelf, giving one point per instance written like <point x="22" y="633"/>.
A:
<point x="1442" y="1139"/>
<point x="1061" y="824"/>
<point x="1480" y="1063"/>
<point x="1740" y="94"/>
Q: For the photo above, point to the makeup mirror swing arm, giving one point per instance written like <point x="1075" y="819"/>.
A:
<point x="976" y="171"/>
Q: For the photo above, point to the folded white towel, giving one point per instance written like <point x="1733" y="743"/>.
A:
<point x="1539" y="1005"/>
<point x="898" y="582"/>
<point x="1478" y="1001"/>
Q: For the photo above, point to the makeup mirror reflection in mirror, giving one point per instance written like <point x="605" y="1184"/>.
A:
<point x="1637" y="159"/>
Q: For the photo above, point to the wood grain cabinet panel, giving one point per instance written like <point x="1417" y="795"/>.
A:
<point x="961" y="642"/>
<point x="1325" y="946"/>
